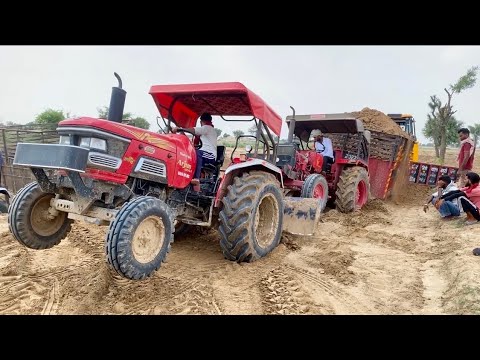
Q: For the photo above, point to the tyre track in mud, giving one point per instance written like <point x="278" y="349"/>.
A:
<point x="334" y="293"/>
<point x="367" y="263"/>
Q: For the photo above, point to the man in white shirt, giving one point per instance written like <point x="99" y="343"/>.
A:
<point x="323" y="145"/>
<point x="447" y="209"/>
<point x="207" y="154"/>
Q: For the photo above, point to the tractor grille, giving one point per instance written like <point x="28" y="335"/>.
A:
<point x="151" y="167"/>
<point x="104" y="160"/>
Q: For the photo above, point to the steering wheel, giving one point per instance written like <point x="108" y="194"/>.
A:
<point x="183" y="131"/>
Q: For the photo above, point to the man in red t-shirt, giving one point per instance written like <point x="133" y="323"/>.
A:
<point x="465" y="156"/>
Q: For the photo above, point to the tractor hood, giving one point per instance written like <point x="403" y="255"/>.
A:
<point x="126" y="131"/>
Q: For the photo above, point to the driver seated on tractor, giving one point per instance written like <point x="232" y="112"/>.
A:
<point x="323" y="145"/>
<point x="207" y="154"/>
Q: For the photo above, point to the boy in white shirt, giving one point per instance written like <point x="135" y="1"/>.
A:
<point x="324" y="146"/>
<point x="207" y="154"/>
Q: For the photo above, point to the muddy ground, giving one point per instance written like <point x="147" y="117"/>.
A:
<point x="387" y="259"/>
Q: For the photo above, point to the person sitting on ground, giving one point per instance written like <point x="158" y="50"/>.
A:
<point x="469" y="197"/>
<point x="447" y="209"/>
<point x="323" y="145"/>
<point x="207" y="154"/>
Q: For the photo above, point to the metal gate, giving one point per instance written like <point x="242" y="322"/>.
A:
<point x="16" y="177"/>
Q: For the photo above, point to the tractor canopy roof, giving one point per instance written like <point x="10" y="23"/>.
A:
<point x="343" y="123"/>
<point x="184" y="103"/>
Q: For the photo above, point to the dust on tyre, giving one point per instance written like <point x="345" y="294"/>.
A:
<point x="251" y="219"/>
<point x="139" y="238"/>
<point x="30" y="221"/>
<point x="352" y="189"/>
<point x="316" y="186"/>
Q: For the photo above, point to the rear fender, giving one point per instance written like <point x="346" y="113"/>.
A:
<point x="240" y="168"/>
<point x="7" y="194"/>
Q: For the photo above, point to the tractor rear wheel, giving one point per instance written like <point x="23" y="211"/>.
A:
<point x="30" y="221"/>
<point x="139" y="238"/>
<point x="352" y="189"/>
<point x="316" y="186"/>
<point x="251" y="219"/>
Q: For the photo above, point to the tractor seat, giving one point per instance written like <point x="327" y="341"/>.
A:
<point x="215" y="169"/>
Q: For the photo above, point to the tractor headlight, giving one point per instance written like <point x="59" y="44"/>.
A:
<point x="98" y="144"/>
<point x="93" y="143"/>
<point x="64" y="140"/>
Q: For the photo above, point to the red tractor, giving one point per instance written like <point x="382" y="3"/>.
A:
<point x="139" y="182"/>
<point x="346" y="181"/>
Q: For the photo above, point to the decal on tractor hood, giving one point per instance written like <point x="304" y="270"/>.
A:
<point x="148" y="137"/>
<point x="185" y="166"/>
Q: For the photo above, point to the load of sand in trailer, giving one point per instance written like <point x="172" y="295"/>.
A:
<point x="388" y="143"/>
<point x="375" y="120"/>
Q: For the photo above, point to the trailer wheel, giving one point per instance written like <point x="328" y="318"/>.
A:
<point x="251" y="219"/>
<point x="352" y="189"/>
<point x="316" y="186"/>
<point x="30" y="222"/>
<point x="139" y="238"/>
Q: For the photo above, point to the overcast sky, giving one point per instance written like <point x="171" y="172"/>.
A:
<point x="313" y="79"/>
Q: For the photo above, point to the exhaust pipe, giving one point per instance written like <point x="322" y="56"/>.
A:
<point x="117" y="102"/>
<point x="291" y="127"/>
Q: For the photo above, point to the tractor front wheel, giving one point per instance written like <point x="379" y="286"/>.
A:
<point x="31" y="223"/>
<point x="139" y="238"/>
<point x="316" y="187"/>
<point x="352" y="189"/>
<point x="251" y="219"/>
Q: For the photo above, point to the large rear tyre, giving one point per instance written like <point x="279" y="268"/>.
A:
<point x="251" y="219"/>
<point x="316" y="187"/>
<point x="30" y="221"/>
<point x="139" y="238"/>
<point x="352" y="189"/>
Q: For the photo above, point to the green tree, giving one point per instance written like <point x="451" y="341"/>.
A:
<point x="219" y="132"/>
<point x="442" y="114"/>
<point x="50" y="116"/>
<point x="238" y="133"/>
<point x="432" y="131"/>
<point x="475" y="132"/>
<point x="252" y="129"/>
<point x="225" y="135"/>
<point x="138" y="121"/>
<point x="103" y="114"/>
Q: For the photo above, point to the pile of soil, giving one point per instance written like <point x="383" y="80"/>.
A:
<point x="375" y="120"/>
<point x="413" y="194"/>
<point x="402" y="174"/>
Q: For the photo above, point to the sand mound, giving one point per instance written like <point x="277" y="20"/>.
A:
<point x="375" y="120"/>
<point x="413" y="194"/>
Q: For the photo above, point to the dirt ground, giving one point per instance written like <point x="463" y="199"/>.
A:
<point x="389" y="258"/>
<point x="427" y="155"/>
